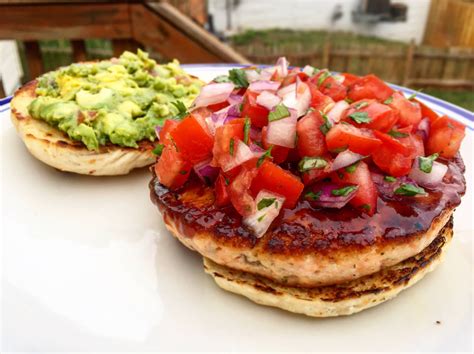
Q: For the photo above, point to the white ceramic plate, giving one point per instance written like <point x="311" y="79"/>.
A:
<point x="89" y="266"/>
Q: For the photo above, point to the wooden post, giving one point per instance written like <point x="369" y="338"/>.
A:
<point x="408" y="63"/>
<point x="326" y="53"/>
<point x="78" y="50"/>
<point x="33" y="59"/>
<point x="121" y="45"/>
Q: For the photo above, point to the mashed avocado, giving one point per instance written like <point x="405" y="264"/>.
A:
<point x="118" y="101"/>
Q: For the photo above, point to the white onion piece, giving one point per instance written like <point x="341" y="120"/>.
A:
<point x="344" y="159"/>
<point x="241" y="154"/>
<point x="308" y="70"/>
<point x="303" y="97"/>
<point x="268" y="100"/>
<point x="431" y="179"/>
<point x="260" y="220"/>
<point x="335" y="114"/>
<point x="287" y="90"/>
<point x="282" y="66"/>
<point x="264" y="85"/>
<point x="282" y="132"/>
<point x="424" y="127"/>
<point x="339" y="78"/>
<point x="252" y="75"/>
<point x="267" y="73"/>
<point x="214" y="93"/>
<point x="211" y="125"/>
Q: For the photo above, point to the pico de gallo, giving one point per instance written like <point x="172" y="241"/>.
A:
<point x="265" y="139"/>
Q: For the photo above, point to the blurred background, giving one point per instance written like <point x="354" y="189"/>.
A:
<point x="422" y="44"/>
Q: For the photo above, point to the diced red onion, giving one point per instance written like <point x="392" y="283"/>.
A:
<point x="388" y="188"/>
<point x="335" y="114"/>
<point x="282" y="66"/>
<point x="252" y="75"/>
<point x="255" y="134"/>
<point x="260" y="220"/>
<point x="257" y="150"/>
<point x="282" y="132"/>
<point x="268" y="100"/>
<point x="431" y="179"/>
<point x="158" y="130"/>
<point x="287" y="90"/>
<point x="241" y="154"/>
<point x="264" y="85"/>
<point x="206" y="172"/>
<point x="344" y="159"/>
<point x="424" y="128"/>
<point x="235" y="99"/>
<point x="308" y="70"/>
<point x="327" y="199"/>
<point x="214" y="93"/>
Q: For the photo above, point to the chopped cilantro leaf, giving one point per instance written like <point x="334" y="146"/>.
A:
<point x="409" y="190"/>
<point x="389" y="179"/>
<point x="264" y="156"/>
<point x="426" y="163"/>
<point x="313" y="196"/>
<point x="238" y="77"/>
<point x="260" y="218"/>
<point x="324" y="75"/>
<point x="352" y="168"/>
<point x="246" y="130"/>
<point x="397" y="134"/>
<point x="343" y="191"/>
<point x="231" y="147"/>
<point x="265" y="202"/>
<point x="360" y="117"/>
<point x="182" y="110"/>
<point x="388" y="100"/>
<point x="221" y="78"/>
<point x="158" y="149"/>
<point x="279" y="112"/>
<point x="309" y="163"/>
<point x="183" y="172"/>
<point x="326" y="126"/>
<point x="361" y="105"/>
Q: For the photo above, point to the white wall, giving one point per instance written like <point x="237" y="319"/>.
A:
<point x="316" y="14"/>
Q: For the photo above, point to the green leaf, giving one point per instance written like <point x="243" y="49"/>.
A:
<point x="352" y="168"/>
<point x="313" y="196"/>
<point x="227" y="181"/>
<point x="265" y="202"/>
<point x="260" y="218"/>
<point x="324" y="75"/>
<point x="246" y="130"/>
<point x="231" y="147"/>
<point x="389" y="179"/>
<point x="360" y="117"/>
<point x="238" y="77"/>
<point x="344" y="191"/>
<point x="182" y="110"/>
<point x="409" y="190"/>
<point x="309" y="163"/>
<point x="388" y="100"/>
<point x="264" y="156"/>
<point x="365" y="207"/>
<point x="426" y="163"/>
<point x="326" y="126"/>
<point x="279" y="112"/>
<point x="397" y="134"/>
<point x="348" y="100"/>
<point x="361" y="105"/>
<point x="221" y="78"/>
<point x="158" y="149"/>
<point x="183" y="172"/>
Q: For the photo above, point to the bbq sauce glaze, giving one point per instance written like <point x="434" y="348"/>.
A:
<point x="308" y="229"/>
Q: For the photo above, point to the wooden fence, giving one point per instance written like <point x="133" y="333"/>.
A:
<point x="450" y="23"/>
<point x="409" y="65"/>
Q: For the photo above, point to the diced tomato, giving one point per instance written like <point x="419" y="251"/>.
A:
<point x="319" y="101"/>
<point x="193" y="139"/>
<point x="396" y="155"/>
<point x="445" y="137"/>
<point x="409" y="112"/>
<point x="222" y="196"/>
<point x="349" y="79"/>
<point x="277" y="180"/>
<point x="317" y="174"/>
<point x="168" y="127"/>
<point x="239" y="194"/>
<point x="291" y="78"/>
<point x="218" y="106"/>
<point x="311" y="140"/>
<point x="258" y="114"/>
<point x="427" y="112"/>
<point x="333" y="88"/>
<point x="381" y="116"/>
<point x="172" y="170"/>
<point x="361" y="141"/>
<point x="279" y="153"/>
<point x="369" y="86"/>
<point x="365" y="198"/>
<point x="221" y="149"/>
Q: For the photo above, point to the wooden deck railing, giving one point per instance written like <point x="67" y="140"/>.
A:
<point x="129" y="24"/>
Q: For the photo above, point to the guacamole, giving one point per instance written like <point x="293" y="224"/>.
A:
<point x="120" y="101"/>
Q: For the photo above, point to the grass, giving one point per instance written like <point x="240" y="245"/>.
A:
<point x="463" y="99"/>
